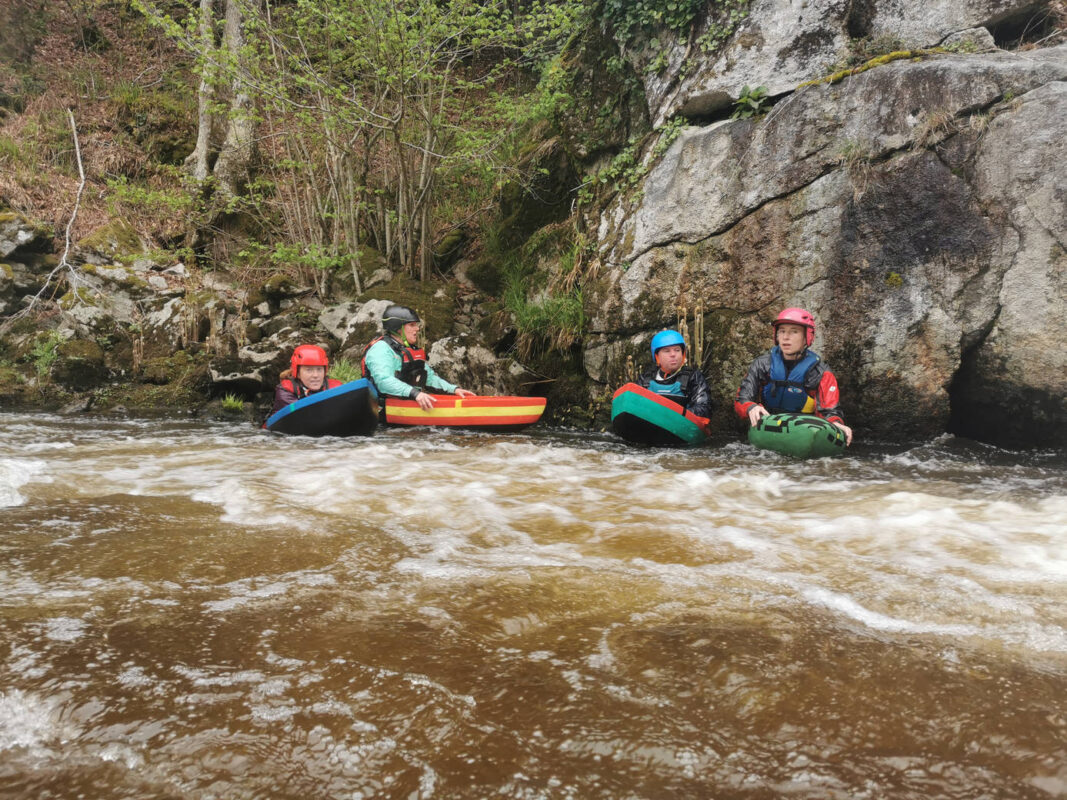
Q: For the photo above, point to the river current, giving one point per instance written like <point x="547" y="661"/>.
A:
<point x="203" y="610"/>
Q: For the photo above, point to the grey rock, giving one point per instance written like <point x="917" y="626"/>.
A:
<point x="18" y="233"/>
<point x="378" y="278"/>
<point x="710" y="177"/>
<point x="466" y="361"/>
<point x="781" y="44"/>
<point x="977" y="40"/>
<point x="916" y="209"/>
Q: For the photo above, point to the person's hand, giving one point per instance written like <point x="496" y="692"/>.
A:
<point x="846" y="430"/>
<point x="464" y="393"/>
<point x="755" y="413"/>
<point x="425" y="401"/>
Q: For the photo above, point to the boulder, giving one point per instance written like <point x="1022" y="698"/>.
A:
<point x="465" y="361"/>
<point x="109" y="242"/>
<point x="19" y="235"/>
<point x="79" y="365"/>
<point x="1013" y="384"/>
<point x="353" y="324"/>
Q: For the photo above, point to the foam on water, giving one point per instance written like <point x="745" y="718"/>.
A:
<point x="16" y="473"/>
<point x="27" y="720"/>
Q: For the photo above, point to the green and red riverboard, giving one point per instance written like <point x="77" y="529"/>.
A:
<point x="798" y="435"/>
<point x="644" y="417"/>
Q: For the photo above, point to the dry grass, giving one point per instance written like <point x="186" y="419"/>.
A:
<point x="39" y="174"/>
<point x="936" y="126"/>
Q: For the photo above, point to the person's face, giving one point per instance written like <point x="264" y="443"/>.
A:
<point x="791" y="339"/>
<point x="670" y="358"/>
<point x="411" y="331"/>
<point x="311" y="377"/>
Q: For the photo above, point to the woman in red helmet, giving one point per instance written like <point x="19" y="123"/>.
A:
<point x="306" y="375"/>
<point x="790" y="377"/>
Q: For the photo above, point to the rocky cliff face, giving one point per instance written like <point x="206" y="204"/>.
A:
<point x="918" y="208"/>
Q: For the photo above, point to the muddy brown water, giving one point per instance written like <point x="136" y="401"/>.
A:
<point x="202" y="610"/>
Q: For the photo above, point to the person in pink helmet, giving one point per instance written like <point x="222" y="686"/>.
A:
<point x="790" y="377"/>
<point x="306" y="375"/>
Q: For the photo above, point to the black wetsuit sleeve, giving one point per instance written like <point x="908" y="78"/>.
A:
<point x="699" y="395"/>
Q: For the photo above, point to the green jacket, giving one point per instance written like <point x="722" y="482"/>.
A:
<point x="382" y="365"/>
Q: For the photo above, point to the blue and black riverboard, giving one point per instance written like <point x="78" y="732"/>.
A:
<point x="798" y="435"/>
<point x="350" y="409"/>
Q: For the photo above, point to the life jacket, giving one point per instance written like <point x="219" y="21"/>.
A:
<point x="301" y="391"/>
<point x="675" y="388"/>
<point x="786" y="392"/>
<point x="412" y="362"/>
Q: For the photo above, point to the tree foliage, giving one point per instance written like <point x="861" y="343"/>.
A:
<point x="373" y="115"/>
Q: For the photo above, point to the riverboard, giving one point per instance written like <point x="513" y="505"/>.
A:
<point x="644" y="417"/>
<point x="798" y="435"/>
<point x="496" y="413"/>
<point x="350" y="409"/>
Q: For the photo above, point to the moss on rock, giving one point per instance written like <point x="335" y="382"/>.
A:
<point x="79" y="364"/>
<point x="117" y="238"/>
<point x="280" y="286"/>
<point x="434" y="303"/>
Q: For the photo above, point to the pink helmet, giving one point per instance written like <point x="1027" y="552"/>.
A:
<point x="796" y="316"/>
<point x="308" y="355"/>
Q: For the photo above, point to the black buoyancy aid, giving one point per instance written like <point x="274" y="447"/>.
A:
<point x="786" y="392"/>
<point x="673" y="387"/>
<point x="412" y="362"/>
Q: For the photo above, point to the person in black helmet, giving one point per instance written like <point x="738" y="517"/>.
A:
<point x="398" y="368"/>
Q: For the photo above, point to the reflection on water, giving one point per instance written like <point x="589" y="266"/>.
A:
<point x="194" y="610"/>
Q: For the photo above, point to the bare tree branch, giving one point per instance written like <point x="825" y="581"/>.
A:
<point x="64" y="263"/>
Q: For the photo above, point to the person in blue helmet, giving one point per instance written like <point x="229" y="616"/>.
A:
<point x="398" y="368"/>
<point x="670" y="377"/>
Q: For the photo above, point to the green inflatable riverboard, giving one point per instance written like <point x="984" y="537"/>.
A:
<point x="798" y="435"/>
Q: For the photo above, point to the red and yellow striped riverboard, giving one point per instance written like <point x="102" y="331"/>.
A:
<point x="485" y="413"/>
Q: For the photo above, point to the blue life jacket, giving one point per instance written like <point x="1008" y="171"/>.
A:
<point x="674" y="389"/>
<point x="786" y="393"/>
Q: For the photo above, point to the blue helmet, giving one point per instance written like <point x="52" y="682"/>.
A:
<point x="666" y="339"/>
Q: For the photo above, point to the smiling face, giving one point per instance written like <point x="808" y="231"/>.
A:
<point x="312" y="377"/>
<point x="790" y="339"/>
<point x="670" y="358"/>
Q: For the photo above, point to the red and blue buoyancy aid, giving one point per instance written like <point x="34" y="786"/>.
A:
<point x="785" y="392"/>
<point x="675" y="389"/>
<point x="296" y="387"/>
<point x="412" y="362"/>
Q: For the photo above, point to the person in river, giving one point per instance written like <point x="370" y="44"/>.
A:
<point x="398" y="368"/>
<point x="306" y="375"/>
<point x="671" y="377"/>
<point x="790" y="377"/>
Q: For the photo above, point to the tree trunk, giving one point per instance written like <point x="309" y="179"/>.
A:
<point x="198" y="159"/>
<point x="235" y="158"/>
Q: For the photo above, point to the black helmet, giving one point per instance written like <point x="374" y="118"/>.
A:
<point x="395" y="317"/>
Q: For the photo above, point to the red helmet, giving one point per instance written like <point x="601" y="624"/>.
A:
<point x="796" y="316"/>
<point x="308" y="355"/>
